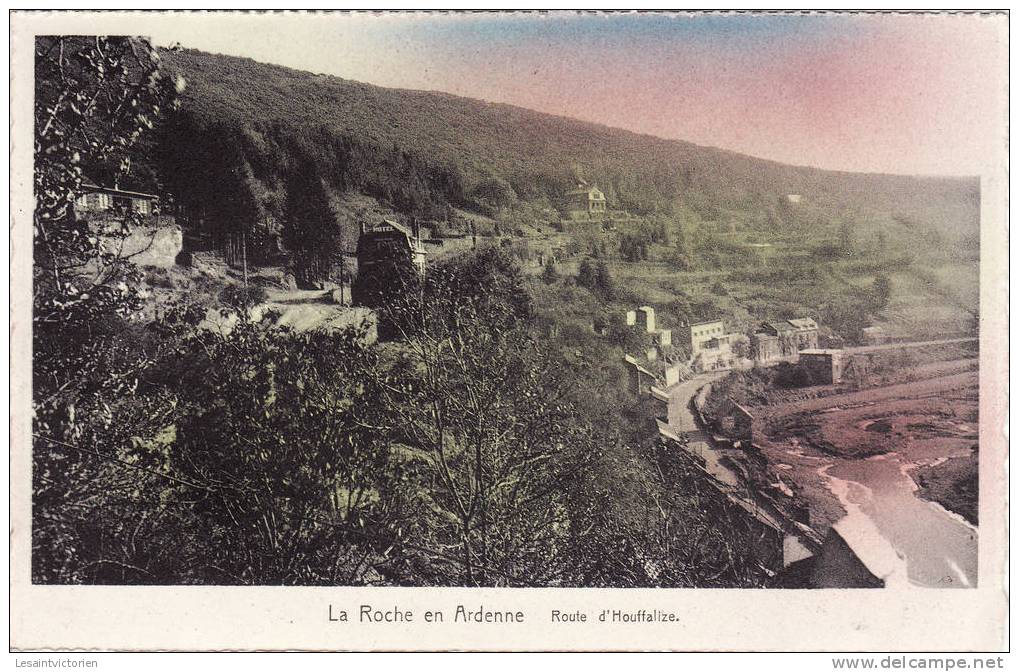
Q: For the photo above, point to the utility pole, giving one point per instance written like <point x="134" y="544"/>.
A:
<point x="343" y="275"/>
<point x="244" y="259"/>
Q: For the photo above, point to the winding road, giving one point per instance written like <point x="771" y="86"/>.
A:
<point x="683" y="424"/>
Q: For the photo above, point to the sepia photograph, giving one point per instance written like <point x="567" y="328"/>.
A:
<point x="633" y="300"/>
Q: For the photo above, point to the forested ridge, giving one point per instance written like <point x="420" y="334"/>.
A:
<point x="423" y="152"/>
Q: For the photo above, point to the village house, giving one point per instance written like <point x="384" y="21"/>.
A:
<point x="389" y="241"/>
<point x="704" y="336"/>
<point x="711" y="346"/>
<point x="766" y="347"/>
<point x="154" y="239"/>
<point x="805" y="332"/>
<point x="586" y="200"/>
<point x="92" y="198"/>
<point x="784" y="338"/>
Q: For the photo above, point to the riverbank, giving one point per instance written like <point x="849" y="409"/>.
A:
<point x="953" y="484"/>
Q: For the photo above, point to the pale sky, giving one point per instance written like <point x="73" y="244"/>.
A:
<point x="916" y="94"/>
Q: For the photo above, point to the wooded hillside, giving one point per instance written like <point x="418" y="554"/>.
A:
<point x="244" y="125"/>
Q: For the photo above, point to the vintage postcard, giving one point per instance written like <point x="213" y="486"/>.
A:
<point x="509" y="331"/>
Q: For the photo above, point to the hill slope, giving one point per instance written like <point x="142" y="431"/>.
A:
<point x="245" y="128"/>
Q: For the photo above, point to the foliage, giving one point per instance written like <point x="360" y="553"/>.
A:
<point x="549" y="274"/>
<point x="587" y="273"/>
<point x="94" y="98"/>
<point x="282" y="473"/>
<point x="847" y="317"/>
<point x="240" y="298"/>
<point x="595" y="275"/>
<point x="634" y="247"/>
<point x="747" y="388"/>
<point x="681" y="255"/>
<point x="486" y="421"/>
<point x="790" y="376"/>
<point x="603" y="279"/>
<point x="310" y="228"/>
<point x="847" y="238"/>
<point x="627" y="337"/>
<point x="740" y="346"/>
<point x="882" y="292"/>
<point x="664" y="524"/>
<point x="493" y="194"/>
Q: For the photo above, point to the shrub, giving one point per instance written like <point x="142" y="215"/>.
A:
<point x="789" y="376"/>
<point x="549" y="274"/>
<point x="241" y="298"/>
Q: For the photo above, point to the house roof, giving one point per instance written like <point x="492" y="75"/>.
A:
<point x="635" y="364"/>
<point x="796" y="324"/>
<point x="594" y="192"/>
<point x="780" y="327"/>
<point x="91" y="187"/>
<point x="803" y="323"/>
<point x="416" y="244"/>
<point x="396" y="225"/>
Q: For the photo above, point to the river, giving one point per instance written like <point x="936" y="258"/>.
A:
<point x="938" y="548"/>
